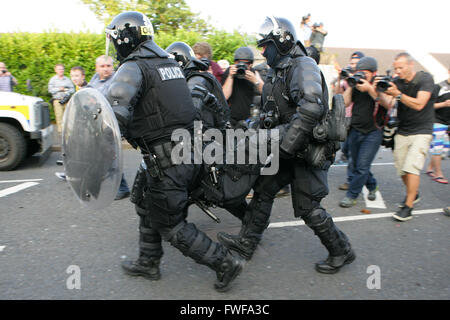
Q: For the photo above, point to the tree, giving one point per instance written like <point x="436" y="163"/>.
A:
<point x="166" y="15"/>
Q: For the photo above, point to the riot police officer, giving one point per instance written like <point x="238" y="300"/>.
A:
<point x="150" y="99"/>
<point x="206" y="90"/>
<point x="296" y="94"/>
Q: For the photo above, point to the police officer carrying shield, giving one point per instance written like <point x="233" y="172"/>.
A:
<point x="150" y="99"/>
<point x="296" y="94"/>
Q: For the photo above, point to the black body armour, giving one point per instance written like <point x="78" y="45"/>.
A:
<point x="276" y="96"/>
<point x="217" y="113"/>
<point x="158" y="111"/>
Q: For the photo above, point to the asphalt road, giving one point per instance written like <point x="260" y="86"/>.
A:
<point x="46" y="240"/>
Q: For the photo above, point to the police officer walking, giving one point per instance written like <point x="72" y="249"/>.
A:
<point x="296" y="93"/>
<point x="150" y="98"/>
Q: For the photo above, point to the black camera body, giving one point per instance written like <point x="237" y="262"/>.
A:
<point x="356" y="79"/>
<point x="346" y="72"/>
<point x="240" y="70"/>
<point x="269" y="120"/>
<point x="65" y="99"/>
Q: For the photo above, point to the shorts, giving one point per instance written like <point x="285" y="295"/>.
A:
<point x="440" y="141"/>
<point x="410" y="152"/>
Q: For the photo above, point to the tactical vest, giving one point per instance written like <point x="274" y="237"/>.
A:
<point x="164" y="103"/>
<point x="276" y="96"/>
<point x="214" y="87"/>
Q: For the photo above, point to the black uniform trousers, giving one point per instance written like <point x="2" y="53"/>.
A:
<point x="163" y="211"/>
<point x="309" y="186"/>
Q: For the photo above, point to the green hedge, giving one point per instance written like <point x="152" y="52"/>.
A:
<point x="33" y="55"/>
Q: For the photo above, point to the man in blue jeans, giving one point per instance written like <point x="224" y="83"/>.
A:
<point x="365" y="131"/>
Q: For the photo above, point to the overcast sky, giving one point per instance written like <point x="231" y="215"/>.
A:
<point x="382" y="24"/>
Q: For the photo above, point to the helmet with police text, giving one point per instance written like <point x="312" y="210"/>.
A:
<point x="182" y="52"/>
<point x="244" y="53"/>
<point x="278" y="30"/>
<point x="127" y="30"/>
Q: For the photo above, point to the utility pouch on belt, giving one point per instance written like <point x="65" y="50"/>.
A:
<point x="152" y="166"/>
<point x="337" y="130"/>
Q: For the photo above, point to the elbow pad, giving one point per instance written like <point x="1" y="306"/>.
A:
<point x="295" y="138"/>
<point x="123" y="92"/>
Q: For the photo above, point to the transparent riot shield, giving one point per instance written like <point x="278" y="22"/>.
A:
<point x="92" y="149"/>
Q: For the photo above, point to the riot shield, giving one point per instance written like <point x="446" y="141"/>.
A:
<point x="92" y="149"/>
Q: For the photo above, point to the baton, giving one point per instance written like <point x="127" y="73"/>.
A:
<point x="205" y="209"/>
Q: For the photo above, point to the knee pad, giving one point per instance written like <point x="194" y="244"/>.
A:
<point x="316" y="218"/>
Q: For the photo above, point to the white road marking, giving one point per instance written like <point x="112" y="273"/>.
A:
<point x="19" y="187"/>
<point x="373" y="164"/>
<point x="2" y="247"/>
<point x="352" y="218"/>
<point x="15" y="181"/>
<point x="377" y="203"/>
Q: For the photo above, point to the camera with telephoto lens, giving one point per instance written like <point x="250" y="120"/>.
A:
<point x="356" y="79"/>
<point x="65" y="99"/>
<point x="269" y="120"/>
<point x="240" y="70"/>
<point x="383" y="84"/>
<point x="346" y="72"/>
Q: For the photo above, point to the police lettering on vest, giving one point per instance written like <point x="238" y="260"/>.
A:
<point x="170" y="73"/>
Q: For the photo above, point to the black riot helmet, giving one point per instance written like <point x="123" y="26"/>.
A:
<point x="244" y="53"/>
<point x="278" y="30"/>
<point x="127" y="30"/>
<point x="182" y="52"/>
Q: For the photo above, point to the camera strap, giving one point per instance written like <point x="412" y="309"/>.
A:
<point x="384" y="117"/>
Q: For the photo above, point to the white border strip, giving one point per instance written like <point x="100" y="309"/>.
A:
<point x="352" y="218"/>
<point x="19" y="187"/>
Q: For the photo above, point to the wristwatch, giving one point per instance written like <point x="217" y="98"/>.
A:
<point x="257" y="83"/>
<point x="399" y="97"/>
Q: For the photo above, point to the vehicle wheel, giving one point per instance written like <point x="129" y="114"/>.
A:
<point x="13" y="147"/>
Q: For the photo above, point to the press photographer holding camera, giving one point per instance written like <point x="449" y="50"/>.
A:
<point x="240" y="84"/>
<point x="366" y="133"/>
<point x="7" y="81"/>
<point x="413" y="92"/>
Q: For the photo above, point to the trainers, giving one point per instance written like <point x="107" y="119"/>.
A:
<point x="403" y="214"/>
<point x="61" y="175"/>
<point x="402" y="204"/>
<point x="372" y="194"/>
<point x="147" y="268"/>
<point x="347" y="202"/>
<point x="343" y="186"/>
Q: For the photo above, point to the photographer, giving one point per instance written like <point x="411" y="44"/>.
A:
<point x="365" y="134"/>
<point x="240" y="84"/>
<point x="340" y="86"/>
<point x="413" y="92"/>
<point x="318" y="36"/>
<point x="7" y="81"/>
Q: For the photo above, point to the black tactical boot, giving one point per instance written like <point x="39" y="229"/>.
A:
<point x="334" y="263"/>
<point x="338" y="246"/>
<point x="243" y="246"/>
<point x="145" y="267"/>
<point x="227" y="271"/>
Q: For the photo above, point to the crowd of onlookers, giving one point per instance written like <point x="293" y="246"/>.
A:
<point x="420" y="107"/>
